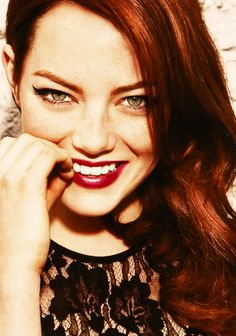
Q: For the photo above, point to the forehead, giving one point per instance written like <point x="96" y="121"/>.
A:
<point x="70" y="34"/>
<point x="75" y="21"/>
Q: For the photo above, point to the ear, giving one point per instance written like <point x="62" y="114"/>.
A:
<point x="8" y="59"/>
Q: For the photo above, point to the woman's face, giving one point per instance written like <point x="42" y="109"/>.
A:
<point x="82" y="89"/>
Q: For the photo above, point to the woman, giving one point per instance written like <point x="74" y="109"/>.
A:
<point x="127" y="152"/>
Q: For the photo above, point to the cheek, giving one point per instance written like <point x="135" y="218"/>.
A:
<point x="40" y="121"/>
<point x="45" y="126"/>
<point x="138" y="137"/>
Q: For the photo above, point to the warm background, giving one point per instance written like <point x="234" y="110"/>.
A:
<point x="220" y="17"/>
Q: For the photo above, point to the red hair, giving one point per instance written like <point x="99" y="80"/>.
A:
<point x="191" y="224"/>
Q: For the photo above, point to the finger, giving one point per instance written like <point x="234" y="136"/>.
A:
<point x="13" y="150"/>
<point x="36" y="162"/>
<point x="65" y="169"/>
<point x="56" y="186"/>
<point x="59" y="177"/>
<point x="5" y="144"/>
<point x="52" y="158"/>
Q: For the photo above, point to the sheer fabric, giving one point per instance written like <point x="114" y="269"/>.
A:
<point x="115" y="295"/>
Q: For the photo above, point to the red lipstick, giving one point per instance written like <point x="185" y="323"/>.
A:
<point x="96" y="175"/>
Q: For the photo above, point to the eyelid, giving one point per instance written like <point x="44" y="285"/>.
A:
<point x="142" y="96"/>
<point x="49" y="90"/>
<point x="43" y="92"/>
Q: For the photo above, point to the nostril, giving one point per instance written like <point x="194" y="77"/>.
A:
<point x="93" y="141"/>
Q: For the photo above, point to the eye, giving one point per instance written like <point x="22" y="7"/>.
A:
<point x="59" y="96"/>
<point x="51" y="96"/>
<point x="135" y="103"/>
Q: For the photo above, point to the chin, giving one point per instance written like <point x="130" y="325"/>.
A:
<point x="88" y="205"/>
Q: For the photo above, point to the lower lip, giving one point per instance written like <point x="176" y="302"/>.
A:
<point x="97" y="182"/>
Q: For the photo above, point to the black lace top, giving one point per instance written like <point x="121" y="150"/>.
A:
<point x="115" y="295"/>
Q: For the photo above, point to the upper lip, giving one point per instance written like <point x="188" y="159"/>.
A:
<point x="95" y="164"/>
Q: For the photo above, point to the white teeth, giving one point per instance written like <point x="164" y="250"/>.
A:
<point x="105" y="170"/>
<point x="76" y="167"/>
<point x="85" y="170"/>
<point x="94" y="171"/>
<point x="112" y="167"/>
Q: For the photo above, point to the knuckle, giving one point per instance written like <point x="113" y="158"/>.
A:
<point x="7" y="140"/>
<point x="38" y="145"/>
<point x="12" y="181"/>
<point x="26" y="139"/>
<point x="7" y="181"/>
<point x="14" y="188"/>
<point x="46" y="150"/>
<point x="25" y="136"/>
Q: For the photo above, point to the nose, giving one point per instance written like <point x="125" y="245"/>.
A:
<point x="93" y="134"/>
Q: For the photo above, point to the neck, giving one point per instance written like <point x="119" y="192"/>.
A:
<point x="87" y="235"/>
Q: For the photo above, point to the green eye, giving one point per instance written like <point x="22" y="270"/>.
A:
<point x="135" y="101"/>
<point x="55" y="97"/>
<point x="59" y="96"/>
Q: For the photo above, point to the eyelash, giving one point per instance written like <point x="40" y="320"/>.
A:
<point x="43" y="93"/>
<point x="141" y="107"/>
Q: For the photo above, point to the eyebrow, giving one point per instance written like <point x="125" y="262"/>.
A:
<point x="57" y="79"/>
<point x="130" y="87"/>
<point x="61" y="81"/>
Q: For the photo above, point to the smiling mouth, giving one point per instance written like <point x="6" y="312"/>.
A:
<point x="97" y="174"/>
<point x="94" y="171"/>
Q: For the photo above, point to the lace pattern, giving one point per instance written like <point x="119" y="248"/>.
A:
<point x="117" y="295"/>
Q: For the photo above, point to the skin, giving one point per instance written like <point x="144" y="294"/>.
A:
<point x="94" y="121"/>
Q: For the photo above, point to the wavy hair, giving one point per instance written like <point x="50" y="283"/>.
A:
<point x="186" y="214"/>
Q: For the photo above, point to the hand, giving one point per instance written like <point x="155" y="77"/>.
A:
<point x="33" y="174"/>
